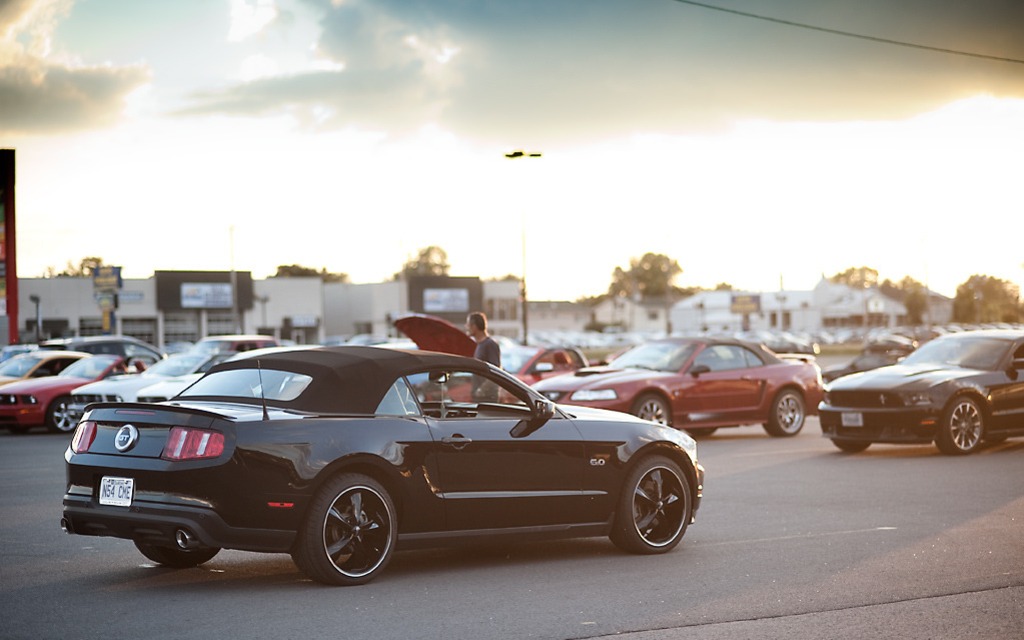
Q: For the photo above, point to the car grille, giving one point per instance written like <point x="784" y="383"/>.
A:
<point x="10" y="399"/>
<point x="87" y="398"/>
<point x="865" y="399"/>
<point x="152" y="399"/>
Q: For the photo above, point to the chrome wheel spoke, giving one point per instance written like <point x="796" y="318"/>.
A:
<point x="965" y="426"/>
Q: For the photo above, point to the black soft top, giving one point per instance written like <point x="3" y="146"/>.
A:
<point x="349" y="379"/>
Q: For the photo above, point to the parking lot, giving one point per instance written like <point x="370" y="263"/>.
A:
<point x="794" y="540"/>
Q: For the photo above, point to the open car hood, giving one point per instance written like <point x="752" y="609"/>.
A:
<point x="431" y="333"/>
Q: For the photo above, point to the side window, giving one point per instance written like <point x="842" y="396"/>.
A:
<point x="722" y="357"/>
<point x="751" y="357"/>
<point x="109" y="347"/>
<point x="134" y="352"/>
<point x="398" y="401"/>
<point x="463" y="394"/>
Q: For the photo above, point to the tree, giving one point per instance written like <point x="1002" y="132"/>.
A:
<point x="85" y="268"/>
<point x="857" y="277"/>
<point x="298" y="271"/>
<point x="430" y="261"/>
<point x="987" y="299"/>
<point x="912" y="294"/>
<point x="650" y="277"/>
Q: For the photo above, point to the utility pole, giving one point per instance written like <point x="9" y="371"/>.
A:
<point x="514" y="155"/>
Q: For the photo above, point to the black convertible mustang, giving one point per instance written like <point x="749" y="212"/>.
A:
<point x="341" y="455"/>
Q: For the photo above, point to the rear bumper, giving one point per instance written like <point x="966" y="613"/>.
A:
<point x="157" y="524"/>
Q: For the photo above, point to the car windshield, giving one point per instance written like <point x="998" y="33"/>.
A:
<point x="90" y="367"/>
<point x="178" y="365"/>
<point x="268" y="384"/>
<point x="516" y="358"/>
<point x="968" y="352"/>
<point x="657" y="356"/>
<point x="19" y="365"/>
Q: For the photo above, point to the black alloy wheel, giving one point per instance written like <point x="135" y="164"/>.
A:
<point x="962" y="427"/>
<point x="349" y="533"/>
<point x="787" y="416"/>
<point x="654" y="508"/>
<point x="58" y="416"/>
<point x="176" y="558"/>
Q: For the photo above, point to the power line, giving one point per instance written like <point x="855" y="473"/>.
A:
<point x="849" y="34"/>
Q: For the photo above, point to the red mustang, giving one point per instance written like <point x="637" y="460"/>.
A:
<point x="698" y="384"/>
<point x="44" y="401"/>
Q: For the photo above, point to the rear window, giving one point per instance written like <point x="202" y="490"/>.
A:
<point x="248" y="384"/>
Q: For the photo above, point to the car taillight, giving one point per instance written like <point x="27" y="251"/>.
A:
<point x="186" y="443"/>
<point x="84" y="435"/>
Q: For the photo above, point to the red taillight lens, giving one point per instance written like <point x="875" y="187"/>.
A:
<point x="185" y="443"/>
<point x="84" y="435"/>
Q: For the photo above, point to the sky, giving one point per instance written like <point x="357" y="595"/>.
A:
<point x="763" y="151"/>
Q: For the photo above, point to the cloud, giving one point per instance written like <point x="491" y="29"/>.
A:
<point x="42" y="93"/>
<point x="537" y="70"/>
<point x="249" y="19"/>
<point x="373" y="69"/>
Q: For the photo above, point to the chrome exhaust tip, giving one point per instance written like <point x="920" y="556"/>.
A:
<point x="185" y="540"/>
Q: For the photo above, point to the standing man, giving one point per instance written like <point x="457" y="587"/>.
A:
<point x="487" y="349"/>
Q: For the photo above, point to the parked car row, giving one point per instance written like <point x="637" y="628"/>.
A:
<point x="51" y="385"/>
<point x="363" y="450"/>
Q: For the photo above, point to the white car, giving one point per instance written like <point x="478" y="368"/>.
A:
<point x="167" y="389"/>
<point x="126" y="388"/>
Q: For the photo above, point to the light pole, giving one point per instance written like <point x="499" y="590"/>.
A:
<point x="39" y="319"/>
<point x="263" y="300"/>
<point x="513" y="155"/>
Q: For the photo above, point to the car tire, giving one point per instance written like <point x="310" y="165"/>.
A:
<point x="704" y="432"/>
<point x="58" y="416"/>
<point x="851" y="446"/>
<point x="653" y="407"/>
<point x="349" y="532"/>
<point x="962" y="427"/>
<point x="788" y="415"/>
<point x="654" y="508"/>
<point x="176" y="558"/>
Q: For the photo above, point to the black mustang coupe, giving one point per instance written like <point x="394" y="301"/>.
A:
<point x="958" y="390"/>
<point x="341" y="455"/>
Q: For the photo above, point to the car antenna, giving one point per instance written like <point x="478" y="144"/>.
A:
<point x="263" y="396"/>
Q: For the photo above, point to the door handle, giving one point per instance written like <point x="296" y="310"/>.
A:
<point x="457" y="441"/>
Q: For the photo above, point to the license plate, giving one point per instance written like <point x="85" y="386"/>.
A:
<point x="853" y="419"/>
<point x="116" y="492"/>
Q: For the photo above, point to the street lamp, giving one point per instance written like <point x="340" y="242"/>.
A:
<point x="513" y="155"/>
<point x="263" y="300"/>
<point x="39" y="318"/>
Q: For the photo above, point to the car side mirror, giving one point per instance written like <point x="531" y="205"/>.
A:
<point x="541" y="411"/>
<point x="698" y="369"/>
<point x="439" y="377"/>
